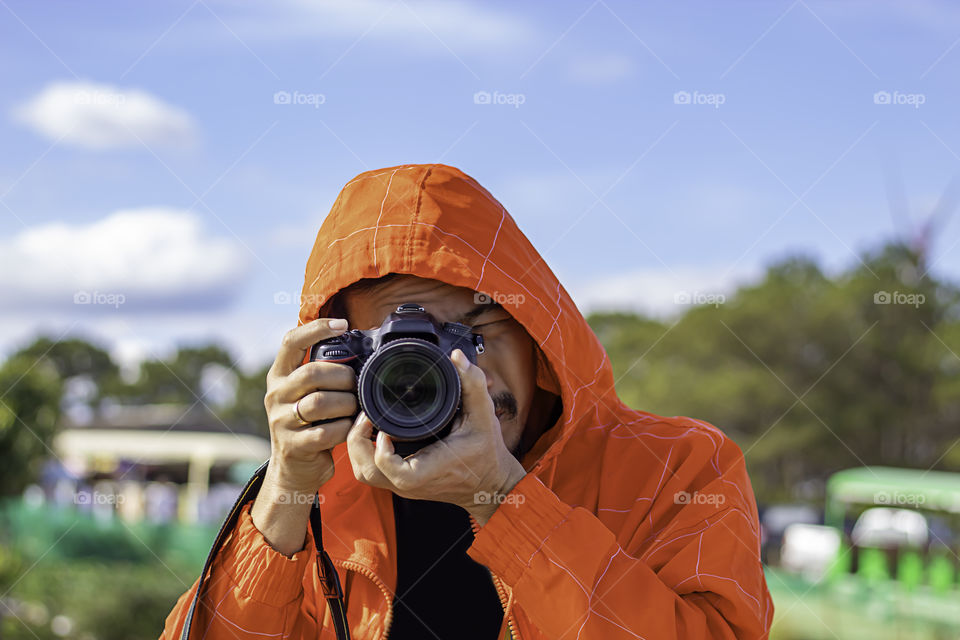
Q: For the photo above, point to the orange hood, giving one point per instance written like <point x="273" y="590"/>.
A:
<point x="434" y="221"/>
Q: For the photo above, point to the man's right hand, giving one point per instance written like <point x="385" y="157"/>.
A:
<point x="300" y="458"/>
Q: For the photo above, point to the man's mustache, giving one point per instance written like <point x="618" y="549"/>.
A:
<point x="505" y="404"/>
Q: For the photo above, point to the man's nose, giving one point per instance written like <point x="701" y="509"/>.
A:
<point x="489" y="376"/>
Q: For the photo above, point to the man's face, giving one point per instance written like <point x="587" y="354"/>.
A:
<point x="508" y="360"/>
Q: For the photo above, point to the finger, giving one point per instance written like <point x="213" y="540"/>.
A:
<point x="473" y="383"/>
<point x="455" y="427"/>
<point x="415" y="469"/>
<point x="322" y="437"/>
<point x="316" y="376"/>
<point x="322" y="405"/>
<point x="295" y="342"/>
<point x="394" y="468"/>
<point x="361" y="448"/>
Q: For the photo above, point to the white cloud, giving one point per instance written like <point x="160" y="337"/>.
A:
<point x="102" y="116"/>
<point x="659" y="292"/>
<point x="459" y="25"/>
<point x="148" y="258"/>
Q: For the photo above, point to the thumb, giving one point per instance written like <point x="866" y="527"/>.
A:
<point x="473" y="382"/>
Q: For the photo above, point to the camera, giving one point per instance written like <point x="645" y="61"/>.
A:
<point x="407" y="384"/>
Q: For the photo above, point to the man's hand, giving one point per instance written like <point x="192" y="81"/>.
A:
<point x="470" y="467"/>
<point x="300" y="458"/>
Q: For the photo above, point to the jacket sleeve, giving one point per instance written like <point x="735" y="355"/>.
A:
<point x="691" y="579"/>
<point x="253" y="591"/>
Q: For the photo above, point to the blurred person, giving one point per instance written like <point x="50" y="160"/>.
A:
<point x="65" y="492"/>
<point x="216" y="503"/>
<point x="131" y="501"/>
<point x="160" y="501"/>
<point x="607" y="522"/>
<point x="104" y="500"/>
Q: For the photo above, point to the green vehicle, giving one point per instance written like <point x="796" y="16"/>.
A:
<point x="893" y="574"/>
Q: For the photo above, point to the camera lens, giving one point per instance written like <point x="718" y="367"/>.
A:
<point x="410" y="389"/>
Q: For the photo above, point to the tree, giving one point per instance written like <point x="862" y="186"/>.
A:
<point x="808" y="373"/>
<point x="30" y="391"/>
<point x="177" y="379"/>
<point x="247" y="414"/>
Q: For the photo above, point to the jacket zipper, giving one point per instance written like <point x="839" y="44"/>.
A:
<point x="499" y="585"/>
<point x="361" y="569"/>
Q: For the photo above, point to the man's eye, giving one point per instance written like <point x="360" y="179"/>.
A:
<point x="488" y="325"/>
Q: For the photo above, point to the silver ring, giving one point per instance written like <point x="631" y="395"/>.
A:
<point x="296" y="412"/>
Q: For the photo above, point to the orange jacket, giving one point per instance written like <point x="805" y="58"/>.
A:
<point x="627" y="524"/>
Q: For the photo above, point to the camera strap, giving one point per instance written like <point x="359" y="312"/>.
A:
<point x="326" y="572"/>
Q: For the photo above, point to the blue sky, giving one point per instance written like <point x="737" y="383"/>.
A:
<point x="646" y="148"/>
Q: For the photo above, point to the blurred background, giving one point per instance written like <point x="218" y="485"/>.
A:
<point x="754" y="203"/>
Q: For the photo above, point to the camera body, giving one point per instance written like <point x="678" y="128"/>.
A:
<point x="406" y="382"/>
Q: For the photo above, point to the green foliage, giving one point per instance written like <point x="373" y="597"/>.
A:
<point x="72" y="357"/>
<point x="102" y="601"/>
<point x="807" y="372"/>
<point x="248" y="413"/>
<point x="111" y="579"/>
<point x="177" y="379"/>
<point x="30" y="390"/>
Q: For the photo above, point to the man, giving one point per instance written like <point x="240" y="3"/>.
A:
<point x="584" y="517"/>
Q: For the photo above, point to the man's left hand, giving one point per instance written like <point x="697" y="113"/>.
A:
<point x="470" y="467"/>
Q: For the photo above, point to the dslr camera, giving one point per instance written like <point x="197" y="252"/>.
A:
<point x="407" y="384"/>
